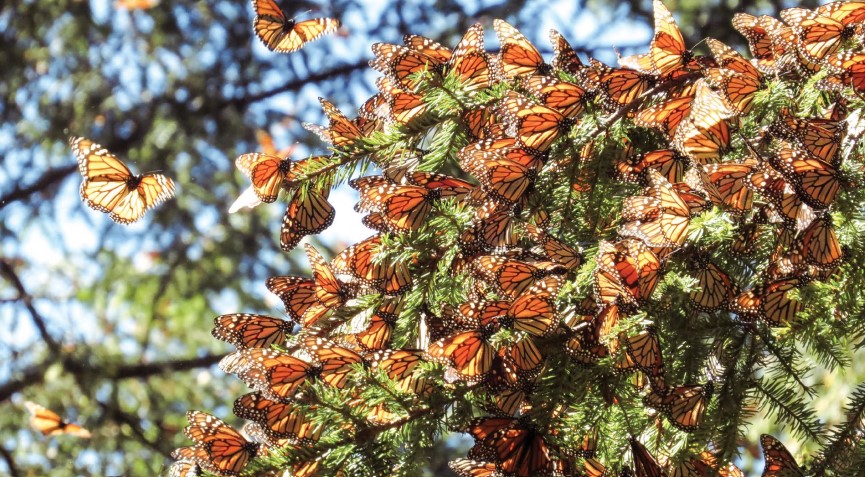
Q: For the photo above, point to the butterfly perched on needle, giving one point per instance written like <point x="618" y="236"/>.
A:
<point x="49" y="423"/>
<point x="109" y="186"/>
<point x="283" y="35"/>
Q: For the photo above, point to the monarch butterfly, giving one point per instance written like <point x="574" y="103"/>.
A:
<point x="282" y="35"/>
<point x="279" y="420"/>
<point x="645" y="464"/>
<point x="506" y="148"/>
<point x="403" y="64"/>
<point x="428" y="47"/>
<point x="555" y="250"/>
<point x="372" y="114"/>
<point x="704" y="134"/>
<point x="363" y="262"/>
<point x="684" y="406"/>
<point x="706" y="465"/>
<point x="275" y="374"/>
<point x="666" y="115"/>
<point x="251" y="331"/>
<point x="517" y="56"/>
<point x="822" y="32"/>
<point x="716" y="289"/>
<point x="474" y="468"/>
<point x="297" y="294"/>
<point x="402" y="208"/>
<point x="772" y="44"/>
<point x="779" y="461"/>
<point x="669" y="56"/>
<point x="769" y="302"/>
<point x="269" y="173"/>
<point x="668" y="162"/>
<point x="109" y="186"/>
<point x="630" y="264"/>
<point x="511" y="277"/>
<point x="564" y="56"/>
<point x="401" y="366"/>
<point x="341" y="131"/>
<point x="818" y="245"/>
<point x="848" y="69"/>
<point x="402" y="106"/>
<point x="480" y="122"/>
<point x="534" y="313"/>
<point x="470" y="63"/>
<point x="515" y="444"/>
<point x="594" y="468"/>
<point x="477" y="313"/>
<point x="330" y="292"/>
<point x="307" y="214"/>
<point x="617" y="87"/>
<point x="49" y="423"/>
<point x="793" y="211"/>
<point x="537" y="126"/>
<point x="185" y="468"/>
<point x="730" y="187"/>
<point x="819" y="137"/>
<point x="566" y="98"/>
<point x="503" y="180"/>
<point x="582" y="346"/>
<point x="736" y="78"/>
<point x="335" y="362"/>
<point x="227" y="451"/>
<point x="816" y="181"/>
<point x="469" y="353"/>
<point x="378" y="332"/>
<point x="662" y="216"/>
<point x="644" y="349"/>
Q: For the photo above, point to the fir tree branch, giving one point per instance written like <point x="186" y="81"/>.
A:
<point x="788" y="405"/>
<point x="836" y="453"/>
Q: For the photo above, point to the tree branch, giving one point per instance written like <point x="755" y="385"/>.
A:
<point x="51" y="176"/>
<point x="31" y="376"/>
<point x="9" y="272"/>
<point x="10" y="462"/>
<point x="145" y="370"/>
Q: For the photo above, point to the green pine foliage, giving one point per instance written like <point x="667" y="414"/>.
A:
<point x="561" y="297"/>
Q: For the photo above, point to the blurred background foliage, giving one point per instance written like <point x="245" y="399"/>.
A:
<point x="110" y="325"/>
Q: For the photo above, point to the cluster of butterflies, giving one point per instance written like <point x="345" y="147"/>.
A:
<point x="498" y="340"/>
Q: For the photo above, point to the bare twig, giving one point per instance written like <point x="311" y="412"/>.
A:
<point x="50" y="177"/>
<point x="10" y="462"/>
<point x="9" y="272"/>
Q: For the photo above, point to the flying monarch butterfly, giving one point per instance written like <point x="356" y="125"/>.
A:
<point x="517" y="445"/>
<point x="537" y="126"/>
<point x="772" y="44"/>
<point x="704" y="135"/>
<point x="307" y="213"/>
<point x="779" y="461"/>
<point x="401" y="366"/>
<point x="250" y="330"/>
<point x="819" y="137"/>
<point x="684" y="406"/>
<point x="363" y="261"/>
<point x="226" y="449"/>
<point x="555" y="250"/>
<point x="645" y="464"/>
<point x="616" y="87"/>
<point x="815" y="180"/>
<point x="49" y="423"/>
<point x="847" y="69"/>
<point x="662" y="218"/>
<point x="769" y="302"/>
<point x="517" y="55"/>
<point x="274" y="374"/>
<point x="428" y="47"/>
<point x="109" y="186"/>
<point x="278" y="420"/>
<point x="821" y="32"/>
<point x="330" y="292"/>
<point x="716" y="289"/>
<point x="470" y="63"/>
<point x="564" y="56"/>
<point x="335" y="362"/>
<point x="282" y="35"/>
